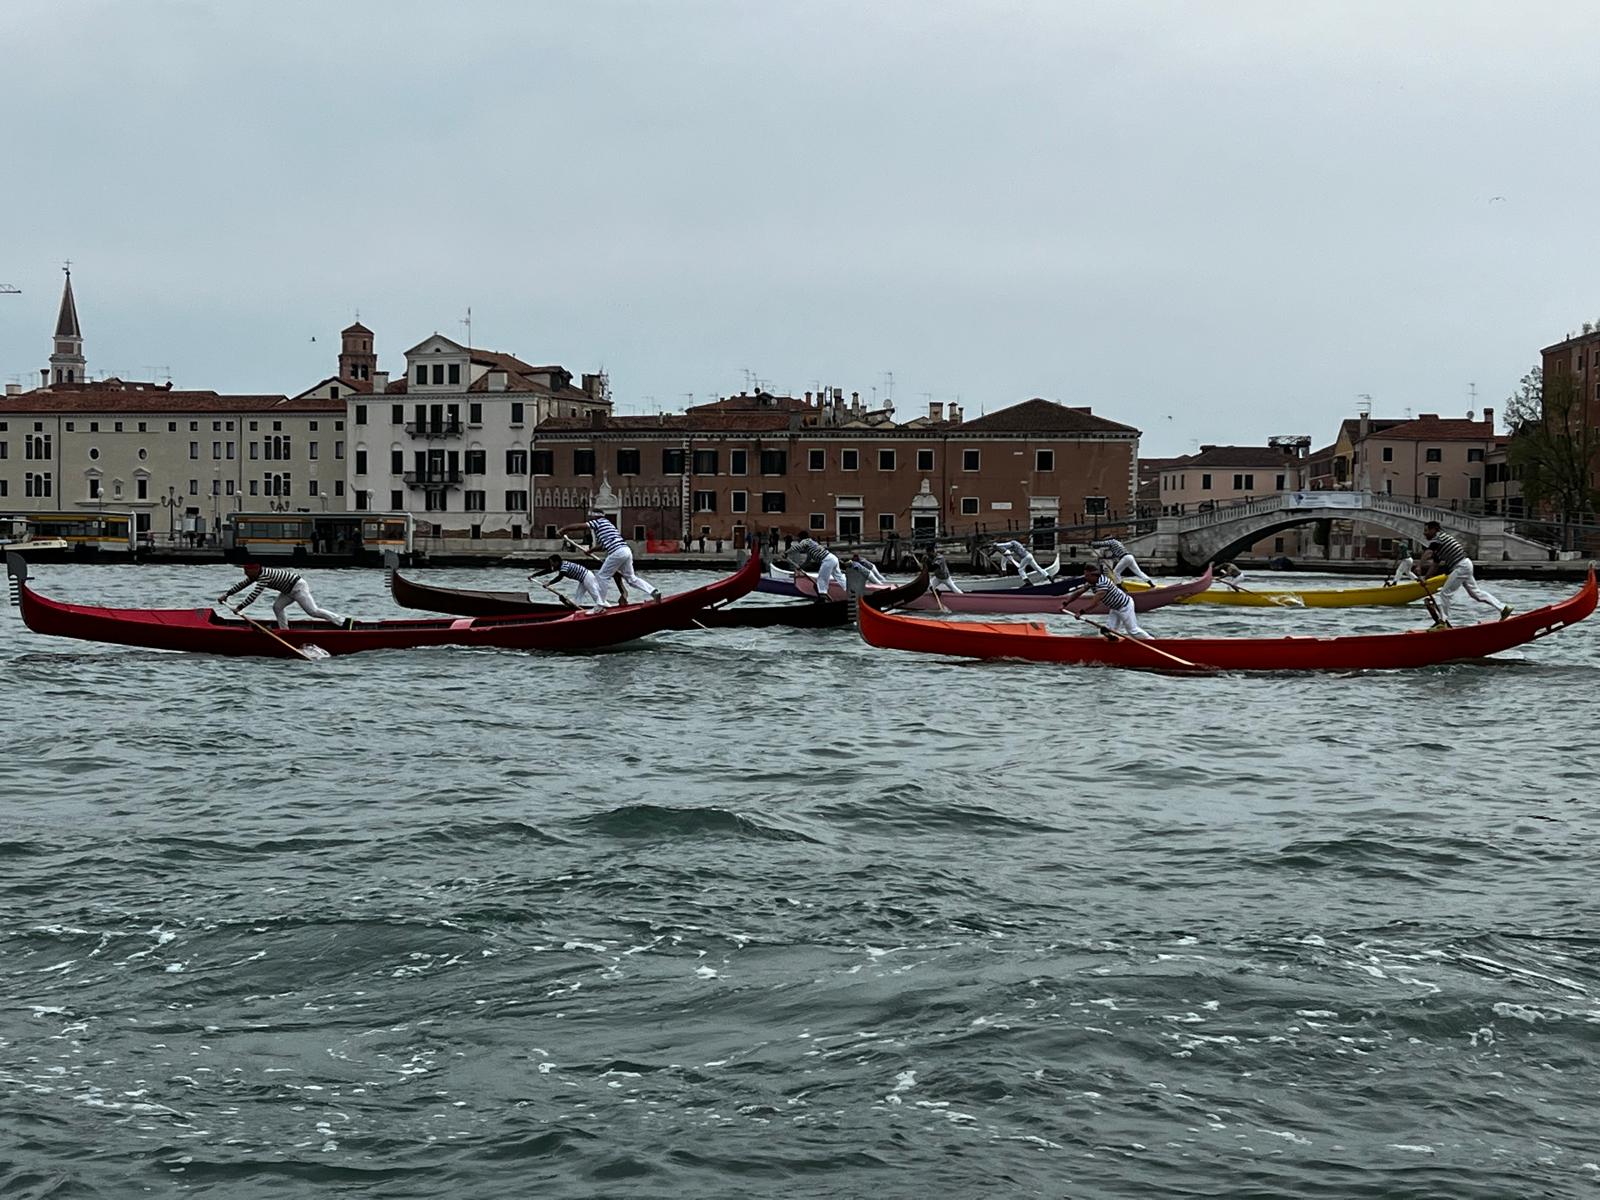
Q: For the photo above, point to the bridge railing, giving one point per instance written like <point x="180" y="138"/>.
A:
<point x="1348" y="506"/>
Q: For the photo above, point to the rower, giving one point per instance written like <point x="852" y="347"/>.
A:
<point x="617" y="557"/>
<point x="1120" y="560"/>
<point x="1118" y="604"/>
<point x="1228" y="574"/>
<point x="1404" y="568"/>
<point x="290" y="585"/>
<point x="1019" y="556"/>
<point x="868" y="570"/>
<point x="815" y="556"/>
<point x="1449" y="555"/>
<point x="939" y="569"/>
<point x="588" y="585"/>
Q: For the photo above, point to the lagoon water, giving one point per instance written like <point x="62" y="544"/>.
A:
<point x="770" y="913"/>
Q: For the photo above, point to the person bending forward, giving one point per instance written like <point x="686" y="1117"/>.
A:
<point x="1118" y="604"/>
<point x="290" y="586"/>
<point x="617" y="558"/>
<point x="1450" y="556"/>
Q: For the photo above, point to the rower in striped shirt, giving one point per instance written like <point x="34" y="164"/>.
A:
<point x="290" y="586"/>
<point x="1019" y="556"/>
<point x="1450" y="556"/>
<point x="939" y="569"/>
<point x="1117" y="603"/>
<point x="1120" y="560"/>
<point x="588" y="585"/>
<point x="808" y="551"/>
<point x="616" y="557"/>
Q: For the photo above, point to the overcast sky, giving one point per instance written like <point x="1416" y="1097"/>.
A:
<point x="1214" y="222"/>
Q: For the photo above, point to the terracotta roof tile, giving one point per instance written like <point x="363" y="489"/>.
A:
<point x="1431" y="428"/>
<point x="56" y="401"/>
<point x="1043" y="417"/>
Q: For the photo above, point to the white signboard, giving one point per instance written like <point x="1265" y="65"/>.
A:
<point x="1325" y="499"/>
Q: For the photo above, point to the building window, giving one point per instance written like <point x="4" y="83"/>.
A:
<point x="172" y="426"/>
<point x="517" y="502"/>
<point x="474" y="413"/>
<point x="773" y="502"/>
<point x="885" y="522"/>
<point x="849" y="460"/>
<point x="516" y="462"/>
<point x="969" y="504"/>
<point x="737" y="460"/>
<point x="1433" y="454"/>
<point x="1388" y="454"/>
<point x="705" y="462"/>
<point x="971" y="460"/>
<point x="434" y="500"/>
<point x="397" y="501"/>
<point x="885" y="460"/>
<point x="361" y="415"/>
<point x="338" y="487"/>
<point x="1044" y="460"/>
<point x="1244" y="483"/>
<point x="216" y="451"/>
<point x="36" y="446"/>
<point x="672" y="462"/>
<point x="477" y="462"/>
<point x="397" y="462"/>
<point x="94" y="488"/>
<point x="36" y="484"/>
<point x="1474" y="455"/>
<point x="194" y="449"/>
<point x="705" y="502"/>
<point x="924" y="460"/>
<point x="739" y="502"/>
<point x="361" y="501"/>
<point x="816" y="460"/>
<point x="438" y="376"/>
<point x="1474" y="489"/>
<point x="818" y="521"/>
<point x="454" y="373"/>
<point x="1280" y="482"/>
<point x="194" y="487"/>
<point x="542" y="461"/>
<point x="227" y="488"/>
<point x="338" y="450"/>
<point x="94" y="453"/>
<point x="583" y="462"/>
<point x="516" y="412"/>
<point x="627" y="462"/>
<point x="475" y="501"/>
<point x="774" y="462"/>
<point x="1433" y="487"/>
<point x="1205" y="482"/>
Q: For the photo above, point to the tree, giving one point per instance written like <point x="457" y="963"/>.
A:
<point x="1553" y="448"/>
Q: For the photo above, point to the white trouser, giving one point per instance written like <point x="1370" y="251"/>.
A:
<point x="1461" y="577"/>
<point x="1126" y="566"/>
<point x="1027" y="567"/>
<point x="301" y="595"/>
<point x="620" y="563"/>
<point x="1121" y="620"/>
<point x="946" y="585"/>
<point x="1405" y="569"/>
<point x="828" y="574"/>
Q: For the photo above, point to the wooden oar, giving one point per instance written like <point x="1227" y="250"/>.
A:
<point x="559" y="596"/>
<point x="273" y="635"/>
<point x="1122" y="637"/>
<point x="1432" y="604"/>
<point x="580" y="548"/>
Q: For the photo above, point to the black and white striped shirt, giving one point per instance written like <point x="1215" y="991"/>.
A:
<point x="939" y="568"/>
<point x="1446" y="550"/>
<point x="810" y="551"/>
<point x="278" y="579"/>
<point x="1112" y="547"/>
<point x="605" y="534"/>
<point x="1110" y="594"/>
<point x="1014" y="548"/>
<point x="572" y="570"/>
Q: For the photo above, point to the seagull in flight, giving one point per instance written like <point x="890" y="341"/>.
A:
<point x="1492" y="199"/>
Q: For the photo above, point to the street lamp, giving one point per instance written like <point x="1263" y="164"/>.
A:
<point x="323" y="496"/>
<point x="170" y="502"/>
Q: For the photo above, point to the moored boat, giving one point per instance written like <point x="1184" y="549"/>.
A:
<point x="1254" y="597"/>
<point x="1359" y="652"/>
<point x="203" y="630"/>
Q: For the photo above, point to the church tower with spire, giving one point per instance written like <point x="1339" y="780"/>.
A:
<point x="66" y="360"/>
<point x="356" y="357"/>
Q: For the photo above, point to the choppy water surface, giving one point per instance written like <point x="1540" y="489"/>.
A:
<point x="772" y="913"/>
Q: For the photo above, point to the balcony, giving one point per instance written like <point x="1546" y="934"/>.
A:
<point x="434" y="429"/>
<point x="433" y="479"/>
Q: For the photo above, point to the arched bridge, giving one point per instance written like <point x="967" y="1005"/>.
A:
<point x="1199" y="538"/>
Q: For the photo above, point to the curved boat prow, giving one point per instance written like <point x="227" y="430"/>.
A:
<point x="17" y="573"/>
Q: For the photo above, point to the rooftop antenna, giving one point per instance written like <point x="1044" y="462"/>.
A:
<point x="1472" y="399"/>
<point x="467" y="321"/>
<point x="1365" y="407"/>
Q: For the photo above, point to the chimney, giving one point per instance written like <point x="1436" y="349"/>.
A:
<point x="13" y="389"/>
<point x="808" y="399"/>
<point x="955" y="414"/>
<point x="1365" y="423"/>
<point x="855" y="401"/>
<point x="380" y="381"/>
<point x="1488" y="415"/>
<point x="497" y="381"/>
<point x="935" y="410"/>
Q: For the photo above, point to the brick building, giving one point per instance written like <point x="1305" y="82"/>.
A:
<point x="832" y="469"/>
<point x="1219" y="476"/>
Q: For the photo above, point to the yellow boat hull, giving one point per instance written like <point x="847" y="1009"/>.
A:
<point x="1367" y="597"/>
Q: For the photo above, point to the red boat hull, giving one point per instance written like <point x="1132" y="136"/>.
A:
<point x="201" y="630"/>
<point x="1367" y="652"/>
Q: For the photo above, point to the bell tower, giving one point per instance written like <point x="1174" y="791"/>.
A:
<point x="66" y="358"/>
<point x="356" y="357"/>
